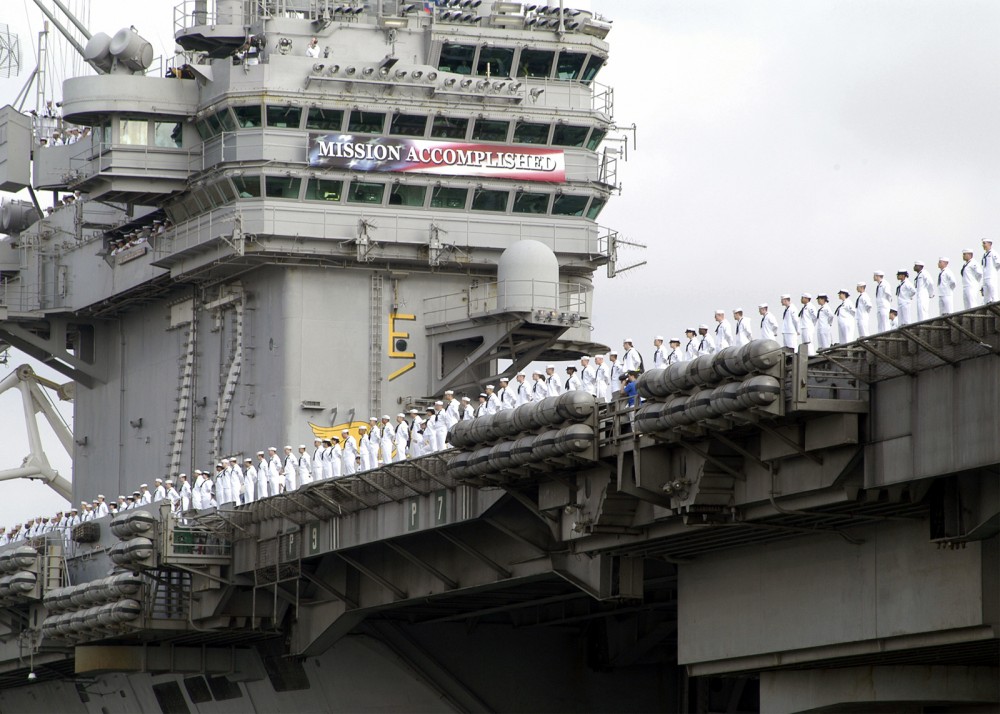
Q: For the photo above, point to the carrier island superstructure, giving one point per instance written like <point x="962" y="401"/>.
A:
<point x="283" y="237"/>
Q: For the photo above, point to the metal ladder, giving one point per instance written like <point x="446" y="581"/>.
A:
<point x="375" y="346"/>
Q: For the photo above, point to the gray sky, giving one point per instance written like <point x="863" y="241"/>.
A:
<point x="783" y="146"/>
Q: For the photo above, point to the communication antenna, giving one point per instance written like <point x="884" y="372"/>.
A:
<point x="10" y="53"/>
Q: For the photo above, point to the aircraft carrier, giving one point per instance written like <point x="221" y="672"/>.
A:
<point x="269" y="237"/>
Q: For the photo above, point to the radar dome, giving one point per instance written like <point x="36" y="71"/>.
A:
<point x="527" y="278"/>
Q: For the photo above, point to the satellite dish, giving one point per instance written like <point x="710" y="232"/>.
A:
<point x="10" y="53"/>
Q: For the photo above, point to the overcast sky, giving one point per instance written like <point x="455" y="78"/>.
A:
<point x="783" y="146"/>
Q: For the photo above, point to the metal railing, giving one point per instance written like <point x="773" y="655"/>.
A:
<point x="546" y="301"/>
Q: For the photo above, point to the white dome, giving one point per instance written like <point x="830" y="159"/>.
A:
<point x="527" y="277"/>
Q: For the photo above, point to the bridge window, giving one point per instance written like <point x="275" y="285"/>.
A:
<point x="448" y="197"/>
<point x="222" y="121"/>
<point x="490" y="130"/>
<point x="529" y="133"/>
<point x="247" y="186"/>
<point x="449" y="128"/>
<point x="366" y="122"/>
<point x="595" y="208"/>
<point x="361" y="192"/>
<point x="535" y="63"/>
<point x="248" y="117"/>
<point x="407" y="195"/>
<point x="133" y="131"/>
<point x="593" y="67"/>
<point x="489" y="200"/>
<point x="527" y="202"/>
<point x="325" y="119"/>
<point x="565" y="135"/>
<point x="569" y="205"/>
<point x="283" y="117"/>
<point x="596" y="137"/>
<point x="569" y="65"/>
<point x="457" y="58"/>
<point x="282" y="186"/>
<point x="497" y="61"/>
<point x="324" y="190"/>
<point x="408" y="125"/>
<point x="168" y="134"/>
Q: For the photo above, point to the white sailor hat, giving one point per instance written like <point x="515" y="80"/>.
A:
<point x="301" y="446"/>
<point x="720" y="312"/>
<point x="490" y="386"/>
<point x="521" y="374"/>
<point x="536" y="372"/>
<point x="613" y="352"/>
<point x="628" y="339"/>
<point x="550" y="366"/>
<point x="363" y="427"/>
<point x="372" y="418"/>
<point x="587" y="357"/>
<point x="318" y="439"/>
<point x="482" y="395"/>
<point x="988" y="240"/>
<point x="100" y="496"/>
<point x="507" y="379"/>
<point x="674" y="339"/>
<point x="199" y="472"/>
<point x="737" y="309"/>
<point x="967" y="250"/>
<point x="786" y="296"/>
<point x="690" y="329"/>
<point x="902" y="270"/>
<point x="414" y="411"/>
<point x="862" y="284"/>
<point x="703" y="327"/>
<point x="763" y="304"/>
<point x="449" y="391"/>
<point x="880" y="273"/>
<point x="942" y="259"/>
<point x="288" y="446"/>
<point x="170" y="480"/>
<point x="918" y="262"/>
<point x="225" y="460"/>
<point x="385" y="416"/>
<point x="403" y="415"/>
<point x="146" y="485"/>
<point x="260" y="453"/>
<point x="272" y="448"/>
<point x="807" y="295"/>
<point x="658" y="337"/>
<point x="466" y="399"/>
<point x="158" y="480"/>
<point x="248" y="460"/>
<point x="439" y="403"/>
<point x="823" y="295"/>
<point x="844" y="291"/>
<point x="345" y="431"/>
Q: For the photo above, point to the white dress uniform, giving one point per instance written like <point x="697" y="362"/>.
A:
<point x="290" y="472"/>
<point x="602" y="381"/>
<point x="573" y="384"/>
<point x="236" y="481"/>
<point x="539" y="390"/>
<point x="789" y="328"/>
<point x="196" y="501"/>
<point x="185" y="495"/>
<point x="468" y="413"/>
<point x="972" y="277"/>
<point x="824" y="326"/>
<point x="588" y="378"/>
<point x="319" y="472"/>
<point x="207" y="501"/>
<point x="904" y="301"/>
<point x="508" y="396"/>
<point x="401" y="437"/>
<point x="386" y="443"/>
<point x="846" y="323"/>
<point x="160" y="493"/>
<point x="350" y="455"/>
<point x="862" y="310"/>
<point x="723" y="335"/>
<point x="614" y="382"/>
<point x="305" y="472"/>
<point x="946" y="290"/>
<point x="675" y="355"/>
<point x="492" y="403"/>
<point x="437" y="430"/>
<point x="522" y="393"/>
<point x="249" y="483"/>
<point x="631" y="360"/>
<point x="989" y="263"/>
<point x="417" y="437"/>
<point x="364" y="452"/>
<point x="691" y="349"/>
<point x="552" y="386"/>
<point x="263" y="472"/>
<point x="145" y="498"/>
<point x="768" y="326"/>
<point x="336" y="468"/>
<point x="274" y="474"/>
<point x="883" y="301"/>
<point x="451" y="414"/>
<point x="742" y="335"/>
<point x="925" y="291"/>
<point x="660" y="357"/>
<point x="706" y="345"/>
<point x="807" y="327"/>
<point x="374" y="440"/>
<point x="222" y="486"/>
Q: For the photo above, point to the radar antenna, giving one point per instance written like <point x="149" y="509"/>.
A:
<point x="10" y="53"/>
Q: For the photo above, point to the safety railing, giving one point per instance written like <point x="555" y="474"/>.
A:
<point x="544" y="301"/>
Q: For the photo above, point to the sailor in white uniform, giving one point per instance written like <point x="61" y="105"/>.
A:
<point x="275" y="485"/>
<point x="436" y="429"/>
<point x="145" y="497"/>
<point x="844" y="318"/>
<point x="506" y="394"/>
<point x="249" y="480"/>
<point x="263" y="476"/>
<point x="159" y="492"/>
<point x="387" y="442"/>
<point x="768" y="323"/>
<point x="945" y="287"/>
<point x="102" y="507"/>
<point x="824" y="322"/>
<point x="706" y="345"/>
<point x="893" y="318"/>
<point x="723" y="331"/>
<point x="741" y="328"/>
<point x="989" y="265"/>
<point x="450" y="410"/>
<point x="290" y="469"/>
<point x="401" y="436"/>
<point x="690" y="350"/>
<point x="631" y="359"/>
<point x="806" y="320"/>
<point x="481" y="408"/>
<point x="675" y="354"/>
<point x="468" y="412"/>
<point x="904" y="297"/>
<point x="492" y="400"/>
<point x="522" y="391"/>
<point x="602" y="378"/>
<point x="199" y="479"/>
<point x="659" y="353"/>
<point x="172" y="495"/>
<point x="862" y="310"/>
<point x="333" y="458"/>
<point x="789" y="323"/>
<point x="972" y="276"/>
<point x="317" y="460"/>
<point x="614" y="368"/>
<point x="573" y="383"/>
<point x="350" y="452"/>
<point x="185" y="491"/>
<point x="553" y="384"/>
<point x="883" y="301"/>
<point x="222" y="481"/>
<point x="588" y="376"/>
<point x="539" y="387"/>
<point x="418" y="434"/>
<point x="363" y="451"/>
<point x="925" y="291"/>
<point x="305" y="462"/>
<point x="374" y="440"/>
<point x="236" y="479"/>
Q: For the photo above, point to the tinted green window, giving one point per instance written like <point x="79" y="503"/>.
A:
<point x="449" y="128"/>
<point x="282" y="186"/>
<point x="457" y="58"/>
<point x="596" y="137"/>
<point x="498" y="60"/>
<point x="526" y="133"/>
<point x="569" y="65"/>
<point x="204" y="130"/>
<point x="490" y="130"/>
<point x="247" y="186"/>
<point x="366" y="192"/>
<point x="248" y="117"/>
<point x="225" y="119"/>
<point x="565" y="135"/>
<point x="535" y="63"/>
<point x="366" y="122"/>
<point x="485" y="200"/>
<point x="446" y="197"/>
<point x="408" y="125"/>
<point x="324" y="190"/>
<point x="525" y="202"/>
<point x="168" y="134"/>
<point x="593" y="67"/>
<point x="283" y="117"/>
<point x="568" y="205"/>
<point x="403" y="195"/>
<point x="595" y="208"/>
<point x="324" y="119"/>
